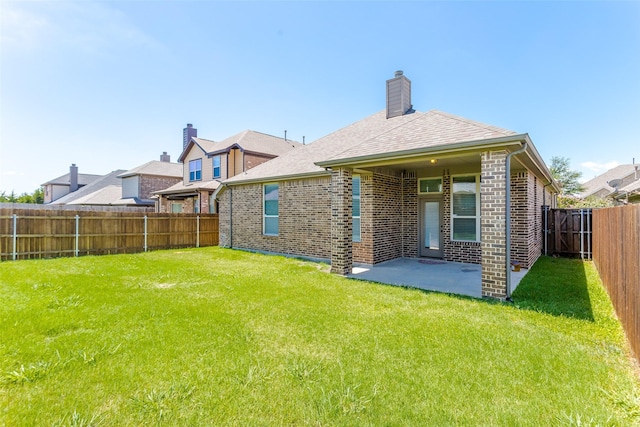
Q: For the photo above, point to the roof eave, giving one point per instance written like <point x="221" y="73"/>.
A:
<point x="277" y="178"/>
<point x="416" y="152"/>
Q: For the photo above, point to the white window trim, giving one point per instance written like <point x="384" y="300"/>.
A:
<point x="430" y="192"/>
<point x="478" y="210"/>
<point x="264" y="214"/>
<point x="359" y="216"/>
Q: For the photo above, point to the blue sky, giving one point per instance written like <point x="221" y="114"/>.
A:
<point x="111" y="85"/>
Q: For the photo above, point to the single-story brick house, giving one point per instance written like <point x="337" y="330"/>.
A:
<point x="399" y="183"/>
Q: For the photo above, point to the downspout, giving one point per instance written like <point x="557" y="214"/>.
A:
<point x="508" y="217"/>
<point x="546" y="218"/>
<point x="230" y="217"/>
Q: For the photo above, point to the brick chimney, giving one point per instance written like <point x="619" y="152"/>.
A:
<point x="398" y="95"/>
<point x="164" y="157"/>
<point x="188" y="133"/>
<point x="73" y="178"/>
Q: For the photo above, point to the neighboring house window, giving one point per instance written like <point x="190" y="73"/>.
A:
<point x="270" y="209"/>
<point x="176" y="207"/>
<point x="355" y="191"/>
<point x="195" y="170"/>
<point x="465" y="208"/>
<point x="216" y="166"/>
<point x="196" y="204"/>
<point x="430" y="185"/>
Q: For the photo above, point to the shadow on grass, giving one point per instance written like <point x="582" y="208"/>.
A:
<point x="556" y="286"/>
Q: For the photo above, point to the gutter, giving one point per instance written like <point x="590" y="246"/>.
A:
<point x="276" y="178"/>
<point x="507" y="215"/>
<point x="449" y="148"/>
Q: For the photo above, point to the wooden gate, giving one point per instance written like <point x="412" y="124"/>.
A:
<point x="567" y="232"/>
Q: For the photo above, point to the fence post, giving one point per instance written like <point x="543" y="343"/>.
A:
<point x="145" y="233"/>
<point x="77" y="233"/>
<point x="15" y="236"/>
<point x="198" y="231"/>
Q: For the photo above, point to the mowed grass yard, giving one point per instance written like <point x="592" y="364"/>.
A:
<point x="221" y="337"/>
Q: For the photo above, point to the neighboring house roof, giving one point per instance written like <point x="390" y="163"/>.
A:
<point x="181" y="188"/>
<point x="155" y="168"/>
<point x="374" y="136"/>
<point x="108" y="180"/>
<point x="247" y="141"/>
<point x="83" y="179"/>
<point x="600" y="182"/>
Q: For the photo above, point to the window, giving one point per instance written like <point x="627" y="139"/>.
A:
<point x="216" y="166"/>
<point x="195" y="170"/>
<point x="270" y="209"/>
<point x="196" y="204"/>
<point x="465" y="208"/>
<point x="355" y="190"/>
<point x="430" y="185"/>
<point x="176" y="207"/>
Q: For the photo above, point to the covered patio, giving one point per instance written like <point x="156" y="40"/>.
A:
<point x="429" y="274"/>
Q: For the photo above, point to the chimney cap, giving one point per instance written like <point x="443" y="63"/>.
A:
<point x="189" y="125"/>
<point x="398" y="73"/>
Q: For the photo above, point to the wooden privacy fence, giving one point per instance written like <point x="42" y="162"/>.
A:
<point x="567" y="232"/>
<point x="616" y="253"/>
<point x="27" y="233"/>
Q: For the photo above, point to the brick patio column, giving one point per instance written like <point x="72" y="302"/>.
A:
<point x="492" y="224"/>
<point x="341" y="232"/>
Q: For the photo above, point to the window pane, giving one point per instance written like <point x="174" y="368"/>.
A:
<point x="271" y="225"/>
<point x="431" y="185"/>
<point x="355" y="185"/>
<point x="271" y="199"/>
<point x="464" y="195"/>
<point x="464" y="229"/>
<point x="356" y="207"/>
<point x="356" y="229"/>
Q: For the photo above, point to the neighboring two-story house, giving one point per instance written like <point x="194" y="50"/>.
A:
<point x="67" y="183"/>
<point x="205" y="163"/>
<point x="622" y="184"/>
<point x="140" y="183"/>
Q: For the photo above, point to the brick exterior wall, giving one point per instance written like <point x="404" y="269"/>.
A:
<point x="410" y="220"/>
<point x="387" y="217"/>
<point x="253" y="160"/>
<point x="363" y="251"/>
<point x="492" y="222"/>
<point x="149" y="184"/>
<point x="304" y="223"/>
<point x="341" y="231"/>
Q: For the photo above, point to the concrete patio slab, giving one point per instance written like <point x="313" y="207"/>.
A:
<point x="429" y="274"/>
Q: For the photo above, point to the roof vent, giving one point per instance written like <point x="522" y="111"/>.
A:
<point x="398" y="95"/>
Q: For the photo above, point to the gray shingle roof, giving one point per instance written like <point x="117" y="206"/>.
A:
<point x="83" y="179"/>
<point x="256" y="142"/>
<point x="110" y="179"/>
<point x="182" y="188"/>
<point x="600" y="182"/>
<point x="374" y="135"/>
<point x="155" y="168"/>
<point x="248" y="140"/>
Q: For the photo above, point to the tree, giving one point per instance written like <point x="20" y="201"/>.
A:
<point x="566" y="177"/>
<point x="37" y="197"/>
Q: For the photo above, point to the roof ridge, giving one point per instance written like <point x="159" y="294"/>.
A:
<point x="471" y="122"/>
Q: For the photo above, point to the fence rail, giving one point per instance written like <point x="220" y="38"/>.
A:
<point x="616" y="253"/>
<point x="27" y="233"/>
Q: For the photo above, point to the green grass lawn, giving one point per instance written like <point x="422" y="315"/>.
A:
<point x="221" y="337"/>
